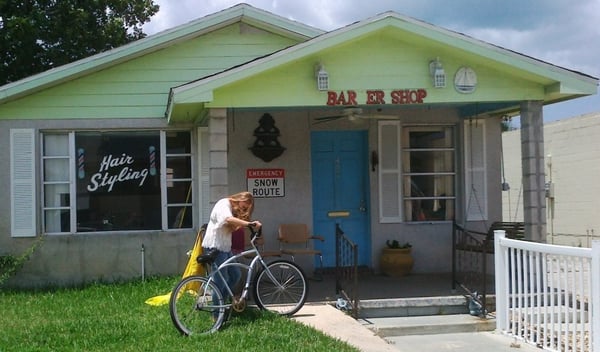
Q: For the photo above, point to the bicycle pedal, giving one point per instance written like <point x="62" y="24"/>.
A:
<point x="238" y="304"/>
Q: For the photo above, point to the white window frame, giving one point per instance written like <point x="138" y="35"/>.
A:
<point x="165" y="205"/>
<point x="72" y="188"/>
<point x="386" y="196"/>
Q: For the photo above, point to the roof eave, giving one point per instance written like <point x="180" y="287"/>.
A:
<point x="86" y="66"/>
<point x="585" y="84"/>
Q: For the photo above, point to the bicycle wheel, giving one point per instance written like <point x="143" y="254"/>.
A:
<point x="196" y="306"/>
<point x="284" y="291"/>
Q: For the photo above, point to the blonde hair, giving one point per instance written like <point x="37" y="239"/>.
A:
<point x="236" y="210"/>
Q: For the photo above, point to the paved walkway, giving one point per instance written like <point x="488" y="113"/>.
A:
<point x="320" y="314"/>
<point x="333" y="322"/>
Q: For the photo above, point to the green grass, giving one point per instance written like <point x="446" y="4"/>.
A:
<point x="104" y="317"/>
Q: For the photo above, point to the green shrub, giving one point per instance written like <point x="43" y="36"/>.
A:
<point x="10" y="264"/>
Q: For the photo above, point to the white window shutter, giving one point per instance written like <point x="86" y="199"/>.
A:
<point x="390" y="172"/>
<point x="22" y="183"/>
<point x="475" y="171"/>
<point x="203" y="167"/>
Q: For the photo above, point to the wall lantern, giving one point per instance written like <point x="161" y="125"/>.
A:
<point x="322" y="77"/>
<point x="438" y="75"/>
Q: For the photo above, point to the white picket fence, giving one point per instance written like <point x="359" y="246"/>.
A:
<point x="545" y="294"/>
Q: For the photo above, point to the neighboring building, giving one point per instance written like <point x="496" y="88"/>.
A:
<point x="572" y="171"/>
<point x="389" y="127"/>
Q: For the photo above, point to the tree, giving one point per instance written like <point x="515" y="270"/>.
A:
<point x="36" y="35"/>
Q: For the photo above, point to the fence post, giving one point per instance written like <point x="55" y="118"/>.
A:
<point x="500" y="265"/>
<point x="595" y="295"/>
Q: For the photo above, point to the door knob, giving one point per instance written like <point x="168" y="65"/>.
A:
<point x="363" y="206"/>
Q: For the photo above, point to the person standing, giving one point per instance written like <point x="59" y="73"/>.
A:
<point x="228" y="215"/>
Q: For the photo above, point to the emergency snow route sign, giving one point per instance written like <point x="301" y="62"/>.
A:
<point x="266" y="183"/>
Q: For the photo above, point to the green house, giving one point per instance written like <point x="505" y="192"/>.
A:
<point x="389" y="128"/>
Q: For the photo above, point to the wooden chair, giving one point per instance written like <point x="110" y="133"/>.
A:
<point x="294" y="240"/>
<point x="260" y="244"/>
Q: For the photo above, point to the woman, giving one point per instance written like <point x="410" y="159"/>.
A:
<point x="228" y="215"/>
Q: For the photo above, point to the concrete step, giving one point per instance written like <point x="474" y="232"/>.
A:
<point x="415" y="306"/>
<point x="428" y="325"/>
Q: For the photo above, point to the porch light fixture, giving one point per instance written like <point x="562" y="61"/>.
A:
<point x="322" y="77"/>
<point x="438" y="75"/>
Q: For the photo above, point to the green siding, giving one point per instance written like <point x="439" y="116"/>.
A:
<point x="380" y="61"/>
<point x="139" y="88"/>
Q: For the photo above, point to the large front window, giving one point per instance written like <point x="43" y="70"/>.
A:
<point x="118" y="180"/>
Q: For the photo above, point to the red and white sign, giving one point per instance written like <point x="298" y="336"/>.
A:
<point x="377" y="96"/>
<point x="266" y="183"/>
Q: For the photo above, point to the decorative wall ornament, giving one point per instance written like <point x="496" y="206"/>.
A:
<point x="465" y="80"/>
<point x="266" y="146"/>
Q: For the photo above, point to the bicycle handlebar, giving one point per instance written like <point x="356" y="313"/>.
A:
<point x="254" y="232"/>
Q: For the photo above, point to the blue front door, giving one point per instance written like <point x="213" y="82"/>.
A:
<point x="340" y="189"/>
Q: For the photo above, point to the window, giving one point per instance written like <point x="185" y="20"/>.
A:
<point x="108" y="181"/>
<point x="416" y="172"/>
<point x="428" y="173"/>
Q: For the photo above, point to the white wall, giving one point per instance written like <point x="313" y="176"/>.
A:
<point x="572" y="153"/>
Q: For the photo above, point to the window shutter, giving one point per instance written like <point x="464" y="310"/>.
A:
<point x="390" y="172"/>
<point x="203" y="161"/>
<point x="22" y="185"/>
<point x="475" y="171"/>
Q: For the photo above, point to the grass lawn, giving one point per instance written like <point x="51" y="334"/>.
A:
<point x="104" y="317"/>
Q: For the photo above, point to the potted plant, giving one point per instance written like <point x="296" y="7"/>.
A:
<point x="396" y="259"/>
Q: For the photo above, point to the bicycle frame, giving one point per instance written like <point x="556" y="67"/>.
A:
<point x="249" y="268"/>
<point x="278" y="286"/>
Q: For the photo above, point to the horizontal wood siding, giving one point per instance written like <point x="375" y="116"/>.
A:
<point x="386" y="61"/>
<point x="139" y="88"/>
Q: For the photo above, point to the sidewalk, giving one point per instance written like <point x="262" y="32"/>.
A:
<point x="333" y="322"/>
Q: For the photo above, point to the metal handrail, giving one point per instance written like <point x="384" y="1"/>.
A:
<point x="346" y="270"/>
<point x="469" y="264"/>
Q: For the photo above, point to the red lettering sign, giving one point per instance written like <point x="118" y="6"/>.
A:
<point x="265" y="173"/>
<point x="408" y="96"/>
<point x="377" y="97"/>
<point x="334" y="98"/>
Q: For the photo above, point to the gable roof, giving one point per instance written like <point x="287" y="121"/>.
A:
<point x="560" y="83"/>
<point x="241" y="12"/>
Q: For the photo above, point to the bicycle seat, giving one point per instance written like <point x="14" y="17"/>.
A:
<point x="208" y="256"/>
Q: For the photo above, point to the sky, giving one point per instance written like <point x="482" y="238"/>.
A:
<point x="562" y="32"/>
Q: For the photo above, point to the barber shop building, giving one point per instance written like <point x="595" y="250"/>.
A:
<point x="389" y="128"/>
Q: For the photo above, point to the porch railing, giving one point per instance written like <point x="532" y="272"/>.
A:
<point x="470" y="250"/>
<point x="545" y="294"/>
<point x="472" y="261"/>
<point x="346" y="270"/>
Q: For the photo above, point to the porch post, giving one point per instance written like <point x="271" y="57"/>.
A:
<point x="532" y="161"/>
<point x="217" y="135"/>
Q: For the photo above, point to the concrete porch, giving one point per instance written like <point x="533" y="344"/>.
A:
<point x="411" y="295"/>
<point x="376" y="286"/>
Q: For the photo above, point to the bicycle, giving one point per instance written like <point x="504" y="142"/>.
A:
<point x="198" y="306"/>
